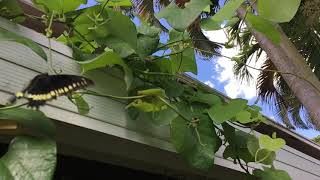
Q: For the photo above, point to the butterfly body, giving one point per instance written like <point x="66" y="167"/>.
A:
<point x="45" y="87"/>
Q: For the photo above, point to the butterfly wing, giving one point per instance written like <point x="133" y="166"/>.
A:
<point x="46" y="87"/>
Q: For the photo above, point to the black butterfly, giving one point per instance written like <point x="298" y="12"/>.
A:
<point x="45" y="87"/>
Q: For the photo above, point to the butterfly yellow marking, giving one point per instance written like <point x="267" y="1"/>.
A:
<point x="52" y="93"/>
<point x="19" y="94"/>
<point x="41" y="97"/>
<point x="48" y="96"/>
<point x="35" y="97"/>
<point x="60" y="91"/>
<point x="70" y="87"/>
<point x="74" y="85"/>
<point x="78" y="84"/>
<point x="66" y="89"/>
<point x="30" y="96"/>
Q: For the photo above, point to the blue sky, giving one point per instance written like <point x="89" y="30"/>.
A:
<point x="218" y="74"/>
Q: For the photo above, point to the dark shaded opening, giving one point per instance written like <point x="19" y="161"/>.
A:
<point x="72" y="168"/>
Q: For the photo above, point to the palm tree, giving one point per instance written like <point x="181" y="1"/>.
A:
<point x="303" y="31"/>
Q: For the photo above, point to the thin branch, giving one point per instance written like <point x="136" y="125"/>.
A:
<point x="174" y="109"/>
<point x="159" y="57"/>
<point x="84" y="38"/>
<point x="14" y="106"/>
<point x="242" y="167"/>
<point x="112" y="96"/>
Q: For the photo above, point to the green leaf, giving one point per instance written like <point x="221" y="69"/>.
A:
<point x="82" y="105"/>
<point x="284" y="10"/>
<point x="209" y="99"/>
<point x="266" y="157"/>
<point x="11" y="9"/>
<point x="164" y="117"/>
<point x="29" y="158"/>
<point x="229" y="153"/>
<point x="108" y="59"/>
<point x="241" y="146"/>
<point x="173" y="88"/>
<point x="271" y="174"/>
<point x="184" y="62"/>
<point x="220" y="113"/>
<point x="179" y="18"/>
<point x="271" y="144"/>
<point x="152" y="92"/>
<point x="9" y="36"/>
<point x="148" y="30"/>
<point x="118" y="3"/>
<point x="244" y="117"/>
<point x="119" y="46"/>
<point x="265" y="27"/>
<point x="4" y="172"/>
<point x="122" y="27"/>
<point x="59" y="6"/>
<point x="32" y="119"/>
<point x="253" y="145"/>
<point x="187" y="142"/>
<point x="146" y="106"/>
<point x="147" y="45"/>
<point x="176" y="36"/>
<point x="238" y="144"/>
<point x="227" y="12"/>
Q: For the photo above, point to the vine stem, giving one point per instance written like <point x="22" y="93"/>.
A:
<point x="174" y="109"/>
<point x="14" y="106"/>
<point x="262" y="159"/>
<point x="159" y="57"/>
<point x="112" y="96"/>
<point x="241" y="165"/>
<point x="103" y="7"/>
<point x="84" y="38"/>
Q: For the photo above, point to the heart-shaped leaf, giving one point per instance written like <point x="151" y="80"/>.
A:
<point x="196" y="145"/>
<point x="268" y="10"/>
<point x="29" y="158"/>
<point x="221" y="113"/>
<point x="187" y="15"/>
<point x="225" y="13"/>
<point x="270" y="144"/>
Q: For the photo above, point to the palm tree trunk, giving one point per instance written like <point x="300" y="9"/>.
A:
<point x="297" y="74"/>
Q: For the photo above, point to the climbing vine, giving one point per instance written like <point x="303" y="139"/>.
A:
<point x="201" y="122"/>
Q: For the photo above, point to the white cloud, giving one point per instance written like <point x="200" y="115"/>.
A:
<point x="209" y="83"/>
<point x="232" y="86"/>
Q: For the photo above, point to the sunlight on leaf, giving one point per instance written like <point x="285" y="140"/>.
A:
<point x="226" y="13"/>
<point x="271" y="144"/>
<point x="29" y="158"/>
<point x="186" y="15"/>
<point x="283" y="11"/>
